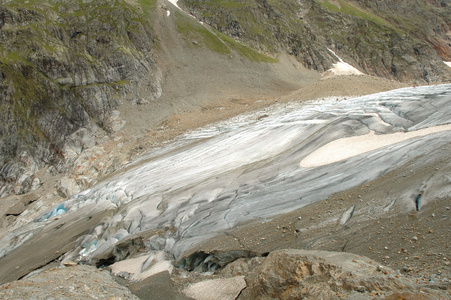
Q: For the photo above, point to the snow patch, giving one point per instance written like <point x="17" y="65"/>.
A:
<point x="174" y="2"/>
<point x="448" y="63"/>
<point x="344" y="148"/>
<point x="341" y="68"/>
<point x="168" y="13"/>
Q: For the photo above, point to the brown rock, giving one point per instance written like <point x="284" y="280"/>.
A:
<point x="407" y="296"/>
<point x="289" y="274"/>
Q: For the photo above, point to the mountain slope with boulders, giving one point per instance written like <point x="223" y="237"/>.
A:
<point x="403" y="40"/>
<point x="88" y="88"/>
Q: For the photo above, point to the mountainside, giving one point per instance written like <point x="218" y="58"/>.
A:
<point x="181" y="147"/>
<point x="402" y="40"/>
<point x="64" y="66"/>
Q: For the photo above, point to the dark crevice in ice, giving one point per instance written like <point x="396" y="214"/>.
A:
<point x="211" y="261"/>
<point x="418" y="200"/>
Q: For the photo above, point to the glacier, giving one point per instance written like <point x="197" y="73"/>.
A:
<point x="246" y="169"/>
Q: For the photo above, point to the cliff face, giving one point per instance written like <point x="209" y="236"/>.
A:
<point x="64" y="66"/>
<point x="429" y="21"/>
<point x="402" y="40"/>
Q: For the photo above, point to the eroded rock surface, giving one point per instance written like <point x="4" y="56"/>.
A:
<point x="293" y="274"/>
<point x="78" y="282"/>
<point x="308" y="274"/>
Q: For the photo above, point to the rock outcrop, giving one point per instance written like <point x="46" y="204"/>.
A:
<point x="64" y="67"/>
<point x="301" y="274"/>
<point x="78" y="282"/>
<point x="283" y="274"/>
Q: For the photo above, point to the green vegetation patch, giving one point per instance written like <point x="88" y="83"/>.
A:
<point x="245" y="51"/>
<point x="215" y="40"/>
<point x="352" y="10"/>
<point x="192" y="30"/>
<point x="257" y="24"/>
<point x="229" y="4"/>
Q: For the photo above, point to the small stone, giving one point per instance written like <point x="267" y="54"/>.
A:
<point x="142" y="101"/>
<point x="415" y="238"/>
<point x="69" y="263"/>
<point x="385" y="248"/>
<point x="360" y="289"/>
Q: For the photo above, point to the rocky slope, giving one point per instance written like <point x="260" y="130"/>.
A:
<point x="405" y="40"/>
<point x="65" y="66"/>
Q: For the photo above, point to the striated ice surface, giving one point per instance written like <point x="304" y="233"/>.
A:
<point x="247" y="168"/>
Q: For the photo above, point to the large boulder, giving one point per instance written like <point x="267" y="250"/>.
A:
<point x="302" y="274"/>
<point x="79" y="282"/>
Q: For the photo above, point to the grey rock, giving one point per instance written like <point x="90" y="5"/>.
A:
<point x="223" y="288"/>
<point x="156" y="287"/>
<point x="20" y="206"/>
<point x="68" y="187"/>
